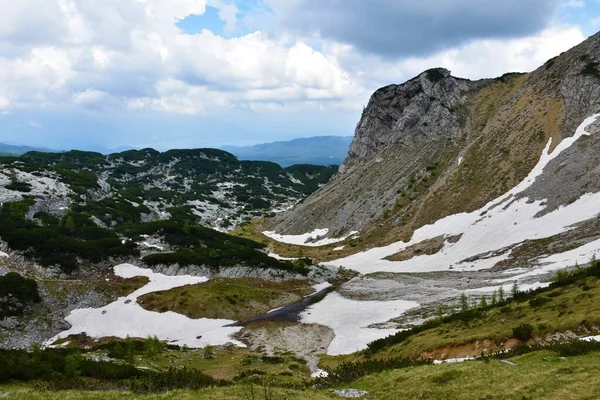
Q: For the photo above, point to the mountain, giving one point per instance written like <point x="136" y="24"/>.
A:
<point x="11" y="149"/>
<point x="438" y="146"/>
<point x="133" y="190"/>
<point x="319" y="150"/>
<point x="463" y="224"/>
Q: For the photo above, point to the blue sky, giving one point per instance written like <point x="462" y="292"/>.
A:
<point x="205" y="73"/>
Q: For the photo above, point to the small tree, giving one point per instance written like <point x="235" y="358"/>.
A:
<point x="515" y="289"/>
<point x="153" y="346"/>
<point x="440" y="312"/>
<point x="483" y="303"/>
<point x="500" y="294"/>
<point x="464" y="303"/>
<point x="71" y="366"/>
<point x="129" y="348"/>
<point x="494" y="298"/>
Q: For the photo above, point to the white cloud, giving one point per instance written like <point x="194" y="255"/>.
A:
<point x="574" y="3"/>
<point x="133" y="51"/>
<point x="115" y="54"/>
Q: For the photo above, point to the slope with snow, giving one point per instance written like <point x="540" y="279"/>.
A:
<point x="488" y="234"/>
<point x="315" y="238"/>
<point x="350" y="320"/>
<point x="126" y="318"/>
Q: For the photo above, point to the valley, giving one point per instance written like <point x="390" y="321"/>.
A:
<point x="452" y="255"/>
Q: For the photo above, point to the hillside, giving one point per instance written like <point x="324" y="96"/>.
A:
<point x="318" y="150"/>
<point x="439" y="145"/>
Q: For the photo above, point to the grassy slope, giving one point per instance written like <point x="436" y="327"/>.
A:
<point x="236" y="299"/>
<point x="540" y="375"/>
<point x="567" y="308"/>
<point x="254" y="229"/>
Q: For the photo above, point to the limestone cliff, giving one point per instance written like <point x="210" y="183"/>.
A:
<point x="438" y="145"/>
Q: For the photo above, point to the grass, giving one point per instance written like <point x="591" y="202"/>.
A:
<point x="558" y="310"/>
<point x="236" y="299"/>
<point x="253" y="231"/>
<point x="539" y="375"/>
<point x="228" y="363"/>
<point x="237" y="392"/>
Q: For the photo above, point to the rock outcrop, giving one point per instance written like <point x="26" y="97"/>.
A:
<point x="439" y="145"/>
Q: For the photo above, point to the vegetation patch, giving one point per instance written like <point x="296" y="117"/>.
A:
<point x="16" y="292"/>
<point x="235" y="299"/>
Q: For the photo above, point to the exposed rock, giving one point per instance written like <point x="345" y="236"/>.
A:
<point x="350" y="393"/>
<point x="439" y="145"/>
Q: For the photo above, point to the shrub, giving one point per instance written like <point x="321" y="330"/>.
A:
<point x="523" y="332"/>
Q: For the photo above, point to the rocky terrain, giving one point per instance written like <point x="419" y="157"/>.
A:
<point x="209" y="186"/>
<point x="439" y="145"/>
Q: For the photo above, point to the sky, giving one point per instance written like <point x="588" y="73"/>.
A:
<point x="207" y="73"/>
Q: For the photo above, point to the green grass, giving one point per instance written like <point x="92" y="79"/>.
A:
<point x="225" y="393"/>
<point x="236" y="299"/>
<point x="557" y="310"/>
<point x="539" y="375"/>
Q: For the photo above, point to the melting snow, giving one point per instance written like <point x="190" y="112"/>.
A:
<point x="125" y="317"/>
<point x="591" y="338"/>
<point x="310" y="239"/>
<point x="350" y="320"/>
<point x="497" y="225"/>
<point x="452" y="360"/>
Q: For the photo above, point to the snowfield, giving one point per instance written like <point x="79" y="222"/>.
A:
<point x="125" y="317"/>
<point x="350" y="320"/>
<point x="311" y="239"/>
<point x="488" y="234"/>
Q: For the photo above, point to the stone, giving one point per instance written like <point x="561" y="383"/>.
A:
<point x="350" y="393"/>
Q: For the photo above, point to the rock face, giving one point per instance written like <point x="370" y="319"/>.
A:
<point x="439" y="145"/>
<point x="410" y="115"/>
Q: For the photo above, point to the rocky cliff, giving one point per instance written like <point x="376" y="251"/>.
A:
<point x="439" y="145"/>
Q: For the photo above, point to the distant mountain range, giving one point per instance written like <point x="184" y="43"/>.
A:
<point x="10" y="149"/>
<point x="18" y="149"/>
<point x="319" y="150"/>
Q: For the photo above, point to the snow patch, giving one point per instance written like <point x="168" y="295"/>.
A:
<point x="350" y="320"/>
<point x="500" y="224"/>
<point x="591" y="338"/>
<point x="339" y="248"/>
<point x="278" y="257"/>
<point x="315" y="238"/>
<point x="125" y="317"/>
<point x="3" y="254"/>
<point x="452" y="360"/>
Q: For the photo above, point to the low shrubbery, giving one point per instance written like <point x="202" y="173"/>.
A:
<point x="69" y="369"/>
<point x="466" y="314"/>
<point x="16" y="292"/>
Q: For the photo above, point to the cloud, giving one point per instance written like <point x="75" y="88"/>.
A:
<point x="574" y="3"/>
<point x="402" y="28"/>
<point x="131" y="54"/>
<point x="123" y="67"/>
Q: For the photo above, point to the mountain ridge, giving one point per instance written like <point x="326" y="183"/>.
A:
<point x="319" y="150"/>
<point x="438" y="145"/>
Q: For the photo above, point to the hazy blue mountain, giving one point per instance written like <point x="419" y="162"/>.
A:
<point x="319" y="150"/>
<point x="13" y="149"/>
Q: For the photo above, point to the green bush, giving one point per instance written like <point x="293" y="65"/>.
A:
<point x="523" y="332"/>
<point x="16" y="292"/>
